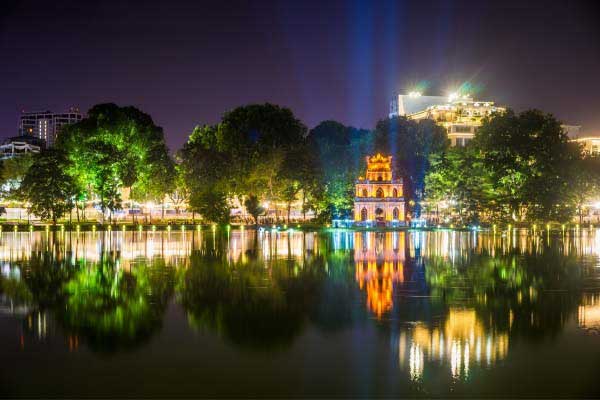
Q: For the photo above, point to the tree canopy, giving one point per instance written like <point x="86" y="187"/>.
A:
<point x="518" y="167"/>
<point x="117" y="147"/>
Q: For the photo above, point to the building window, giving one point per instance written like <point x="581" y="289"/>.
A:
<point x="379" y="192"/>
<point x="396" y="213"/>
<point x="363" y="214"/>
<point x="365" y="193"/>
<point x="395" y="192"/>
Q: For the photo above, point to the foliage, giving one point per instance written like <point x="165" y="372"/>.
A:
<point x="253" y="150"/>
<point x="411" y="143"/>
<point x="519" y="167"/>
<point x="252" y="204"/>
<point x="117" y="147"/>
<point x="13" y="172"/>
<point x="212" y="205"/>
<point x="338" y="152"/>
<point x="47" y="187"/>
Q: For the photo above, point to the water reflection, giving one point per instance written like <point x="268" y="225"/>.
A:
<point x="462" y="341"/>
<point x="449" y="303"/>
<point x="379" y="265"/>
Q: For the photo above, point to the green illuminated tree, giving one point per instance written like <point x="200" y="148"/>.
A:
<point x="116" y="147"/>
<point x="47" y="186"/>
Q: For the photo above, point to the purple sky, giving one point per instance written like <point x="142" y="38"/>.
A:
<point x="185" y="63"/>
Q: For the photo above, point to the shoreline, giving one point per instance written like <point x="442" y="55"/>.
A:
<point x="88" y="226"/>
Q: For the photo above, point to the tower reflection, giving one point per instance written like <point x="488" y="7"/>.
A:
<point x="379" y="265"/>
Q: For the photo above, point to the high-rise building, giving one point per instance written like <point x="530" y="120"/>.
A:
<point x="46" y="125"/>
<point x="459" y="114"/>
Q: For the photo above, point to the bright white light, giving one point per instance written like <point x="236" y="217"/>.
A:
<point x="453" y="96"/>
<point x="414" y="94"/>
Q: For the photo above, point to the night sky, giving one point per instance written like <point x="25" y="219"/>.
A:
<point x="185" y="63"/>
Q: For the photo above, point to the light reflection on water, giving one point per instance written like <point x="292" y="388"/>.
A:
<point x="448" y="301"/>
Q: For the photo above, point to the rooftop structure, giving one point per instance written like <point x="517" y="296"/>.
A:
<point x="18" y="145"/>
<point x="407" y="104"/>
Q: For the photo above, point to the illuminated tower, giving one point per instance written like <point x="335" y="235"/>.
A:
<point x="379" y="197"/>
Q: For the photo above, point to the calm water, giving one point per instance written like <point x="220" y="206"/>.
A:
<point x="299" y="314"/>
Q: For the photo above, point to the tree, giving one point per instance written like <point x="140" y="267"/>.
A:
<point x="212" y="205"/>
<point x="180" y="192"/>
<point x="331" y="188"/>
<point x="47" y="186"/>
<point x="518" y="167"/>
<point x="252" y="204"/>
<point x="530" y="162"/>
<point x="585" y="182"/>
<point x="13" y="172"/>
<point x="116" y="147"/>
<point x="244" y="154"/>
<point x="411" y="143"/>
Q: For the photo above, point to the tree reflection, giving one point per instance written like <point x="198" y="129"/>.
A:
<point x="532" y="295"/>
<point x="252" y="305"/>
<point x="113" y="309"/>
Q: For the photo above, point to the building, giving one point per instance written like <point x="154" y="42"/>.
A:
<point x="379" y="197"/>
<point x="46" y="125"/>
<point x="407" y="104"/>
<point x="18" y="145"/>
<point x="459" y="114"/>
<point x="589" y="144"/>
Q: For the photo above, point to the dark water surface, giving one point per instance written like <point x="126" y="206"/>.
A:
<point x="255" y="314"/>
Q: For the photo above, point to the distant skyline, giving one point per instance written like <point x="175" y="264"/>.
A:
<point x="186" y="63"/>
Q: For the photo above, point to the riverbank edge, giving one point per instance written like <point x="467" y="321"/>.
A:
<point x="181" y="226"/>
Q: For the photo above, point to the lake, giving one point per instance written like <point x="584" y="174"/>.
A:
<point x="280" y="314"/>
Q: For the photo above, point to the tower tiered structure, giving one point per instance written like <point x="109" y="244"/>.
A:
<point x="379" y="197"/>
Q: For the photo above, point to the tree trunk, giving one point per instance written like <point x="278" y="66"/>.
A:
<point x="304" y="205"/>
<point x="289" y="209"/>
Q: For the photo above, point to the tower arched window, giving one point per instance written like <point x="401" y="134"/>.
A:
<point x="365" y="193"/>
<point x="395" y="192"/>
<point x="363" y="214"/>
<point x="395" y="213"/>
<point x="379" y="192"/>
